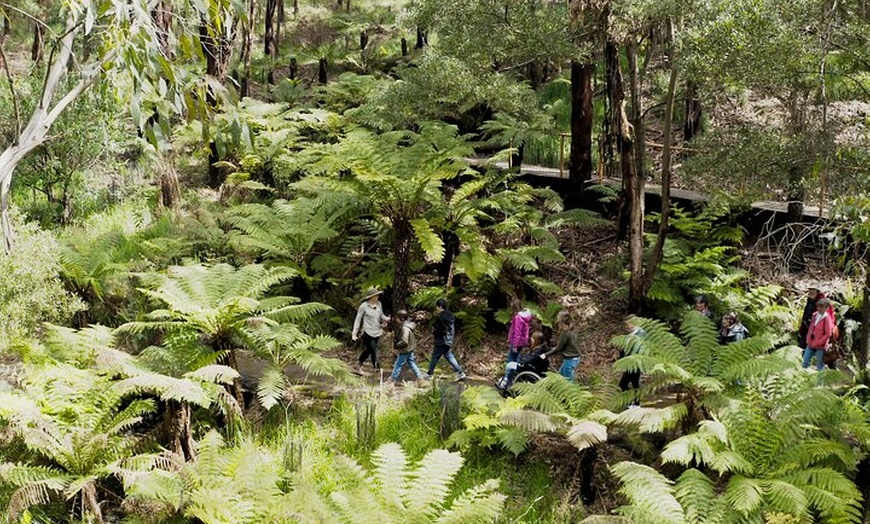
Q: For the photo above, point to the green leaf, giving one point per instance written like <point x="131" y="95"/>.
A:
<point x="432" y="244"/>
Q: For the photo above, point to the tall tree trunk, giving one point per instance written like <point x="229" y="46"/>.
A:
<point x="247" y="43"/>
<point x="282" y="18"/>
<point x="7" y="27"/>
<point x="632" y="182"/>
<point x="44" y="114"/>
<point x="270" y="48"/>
<point x="162" y="16"/>
<point x="37" y="48"/>
<point x="580" y="155"/>
<point x="796" y="105"/>
<point x="295" y="9"/>
<point x="635" y="83"/>
<point x="656" y="255"/>
<point x="692" y="124"/>
<point x="217" y="49"/>
<point x="864" y="344"/>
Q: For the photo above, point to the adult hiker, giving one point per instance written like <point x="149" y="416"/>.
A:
<point x="568" y="346"/>
<point x="405" y="343"/>
<point x="702" y="306"/>
<point x="444" y="334"/>
<point x="369" y="325"/>
<point x="633" y="346"/>
<point x="819" y="334"/>
<point x="518" y="333"/>
<point x="813" y="295"/>
<point x="732" y="330"/>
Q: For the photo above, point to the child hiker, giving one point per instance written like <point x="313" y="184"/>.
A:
<point x="405" y="343"/>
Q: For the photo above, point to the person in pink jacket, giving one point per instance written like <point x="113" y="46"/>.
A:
<point x="518" y="334"/>
<point x="819" y="334"/>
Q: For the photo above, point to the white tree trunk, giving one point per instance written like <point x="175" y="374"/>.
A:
<point x="44" y="115"/>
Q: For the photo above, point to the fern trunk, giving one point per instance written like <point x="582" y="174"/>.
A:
<point x="90" y="505"/>
<point x="178" y="422"/>
<point x="404" y="237"/>
<point x="236" y="387"/>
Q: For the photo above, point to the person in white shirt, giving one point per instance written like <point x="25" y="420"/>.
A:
<point x="369" y="325"/>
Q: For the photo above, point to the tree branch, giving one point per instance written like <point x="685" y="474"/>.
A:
<point x="11" y="90"/>
<point x="656" y="254"/>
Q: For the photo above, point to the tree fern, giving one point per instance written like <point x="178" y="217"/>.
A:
<point x="772" y="456"/>
<point x="222" y="303"/>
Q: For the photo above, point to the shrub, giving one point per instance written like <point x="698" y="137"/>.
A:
<point x="31" y="291"/>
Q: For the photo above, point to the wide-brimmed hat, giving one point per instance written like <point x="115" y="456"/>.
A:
<point x="370" y="292"/>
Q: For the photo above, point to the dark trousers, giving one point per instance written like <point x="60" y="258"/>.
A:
<point x="370" y="350"/>
<point x="443" y="351"/>
<point x="629" y="378"/>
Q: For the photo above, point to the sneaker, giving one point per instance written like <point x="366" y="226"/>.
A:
<point x="424" y="376"/>
<point x="462" y="376"/>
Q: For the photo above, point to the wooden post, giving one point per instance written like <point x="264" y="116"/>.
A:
<point x="561" y="155"/>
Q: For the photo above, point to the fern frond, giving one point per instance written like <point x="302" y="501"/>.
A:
<point x="696" y="494"/>
<point x="429" y="483"/>
<point x="479" y="505"/>
<point x="651" y="495"/>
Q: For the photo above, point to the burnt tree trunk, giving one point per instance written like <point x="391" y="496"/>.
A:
<point x="692" y="110"/>
<point x="270" y="48"/>
<point x="322" y="71"/>
<point x="363" y="39"/>
<point x="404" y="46"/>
<point x="294" y="68"/>
<point x="580" y="154"/>
<point x="422" y="39"/>
<point x="632" y="182"/>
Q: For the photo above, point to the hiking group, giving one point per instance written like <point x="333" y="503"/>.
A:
<point x="527" y="343"/>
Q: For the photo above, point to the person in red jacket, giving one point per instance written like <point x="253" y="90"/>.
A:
<point x="819" y="334"/>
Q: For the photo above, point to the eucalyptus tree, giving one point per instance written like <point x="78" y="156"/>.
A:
<point x="801" y="56"/>
<point x="126" y="44"/>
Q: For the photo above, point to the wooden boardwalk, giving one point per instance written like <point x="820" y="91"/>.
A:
<point x="811" y="212"/>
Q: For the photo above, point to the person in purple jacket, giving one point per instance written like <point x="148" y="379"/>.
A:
<point x="518" y="334"/>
